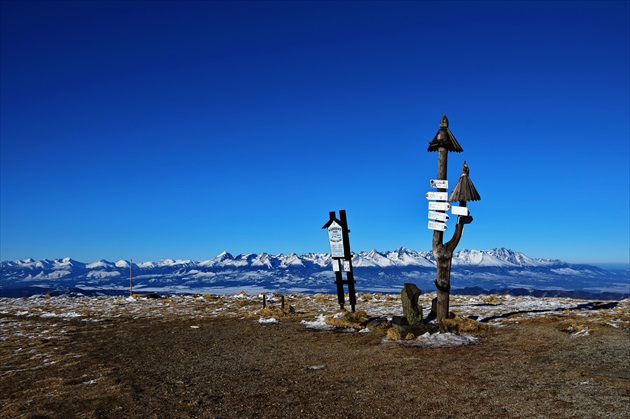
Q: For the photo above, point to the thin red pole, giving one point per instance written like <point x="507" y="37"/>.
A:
<point x="131" y="277"/>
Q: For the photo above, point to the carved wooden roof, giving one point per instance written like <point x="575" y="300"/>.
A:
<point x="464" y="190"/>
<point x="445" y="138"/>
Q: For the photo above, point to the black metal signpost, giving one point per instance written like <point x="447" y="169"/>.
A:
<point x="341" y="256"/>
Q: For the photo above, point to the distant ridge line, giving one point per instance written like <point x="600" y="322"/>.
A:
<point x="375" y="271"/>
<point x="493" y="257"/>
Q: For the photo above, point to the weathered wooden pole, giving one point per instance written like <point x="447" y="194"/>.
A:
<point x="444" y="142"/>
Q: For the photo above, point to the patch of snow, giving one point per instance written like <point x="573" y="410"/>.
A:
<point x="102" y="274"/>
<point x="69" y="314"/>
<point x="442" y="340"/>
<point x="583" y="332"/>
<point x="565" y="271"/>
<point x="319" y="323"/>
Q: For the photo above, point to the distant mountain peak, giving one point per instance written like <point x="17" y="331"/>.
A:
<point x="224" y="255"/>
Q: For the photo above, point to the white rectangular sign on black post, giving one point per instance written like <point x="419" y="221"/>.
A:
<point x="346" y="266"/>
<point x="335" y="237"/>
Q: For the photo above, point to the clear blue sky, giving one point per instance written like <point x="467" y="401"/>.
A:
<point x="152" y="130"/>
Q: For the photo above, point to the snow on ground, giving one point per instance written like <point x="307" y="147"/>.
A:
<point x="442" y="340"/>
<point x="488" y="307"/>
<point x="319" y="323"/>
<point x="48" y="316"/>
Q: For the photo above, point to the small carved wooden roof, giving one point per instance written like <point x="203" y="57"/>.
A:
<point x="445" y="138"/>
<point x="464" y="190"/>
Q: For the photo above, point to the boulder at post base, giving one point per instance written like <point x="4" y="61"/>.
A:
<point x="409" y="297"/>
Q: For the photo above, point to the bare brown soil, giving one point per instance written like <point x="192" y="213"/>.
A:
<point x="230" y="367"/>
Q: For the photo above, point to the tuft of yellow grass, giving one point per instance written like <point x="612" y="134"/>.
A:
<point x="276" y="312"/>
<point x="463" y="325"/>
<point x="393" y="333"/>
<point x="349" y="320"/>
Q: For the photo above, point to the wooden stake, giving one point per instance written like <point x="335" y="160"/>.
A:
<point x="131" y="277"/>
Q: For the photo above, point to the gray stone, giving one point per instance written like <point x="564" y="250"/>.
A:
<point x="378" y="322"/>
<point x="409" y="296"/>
<point x="400" y="321"/>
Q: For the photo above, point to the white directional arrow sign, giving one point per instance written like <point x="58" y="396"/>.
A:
<point x="436" y="196"/>
<point x="436" y="225"/>
<point x="439" y="206"/>
<point x="459" y="210"/>
<point x="438" y="183"/>
<point x="439" y="216"/>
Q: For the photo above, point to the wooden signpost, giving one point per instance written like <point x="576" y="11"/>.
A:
<point x="438" y="226"/>
<point x="339" y="241"/>
<point x="443" y="142"/>
<point x="455" y="210"/>
<point x="439" y="183"/>
<point x="436" y="196"/>
<point x="438" y="216"/>
<point x="439" y="206"/>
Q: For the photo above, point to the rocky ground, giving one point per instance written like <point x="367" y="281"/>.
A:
<point x="224" y="356"/>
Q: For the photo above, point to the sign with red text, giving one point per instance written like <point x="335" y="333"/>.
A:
<point x="439" y="206"/>
<point x="436" y="196"/>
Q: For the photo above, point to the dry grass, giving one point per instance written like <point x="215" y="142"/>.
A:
<point x="348" y="320"/>
<point x="464" y="325"/>
<point x="113" y="357"/>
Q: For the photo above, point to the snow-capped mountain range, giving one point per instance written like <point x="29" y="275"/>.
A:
<point x="311" y="272"/>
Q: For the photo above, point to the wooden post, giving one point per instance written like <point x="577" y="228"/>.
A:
<point x="442" y="260"/>
<point x="443" y="253"/>
<point x="444" y="142"/>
